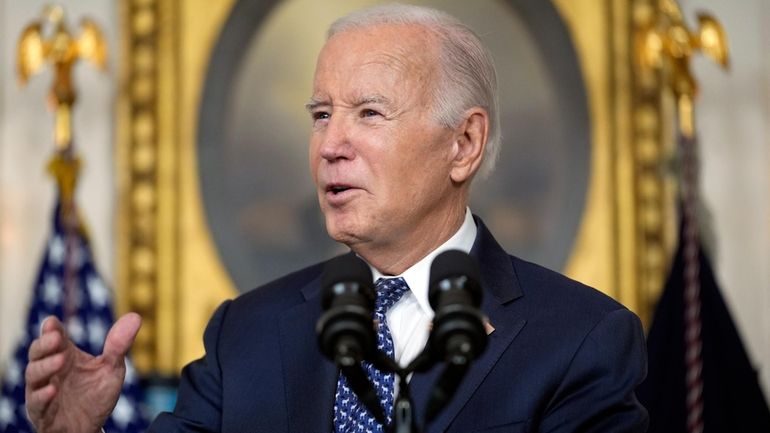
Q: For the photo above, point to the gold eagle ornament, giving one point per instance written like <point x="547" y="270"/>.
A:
<point x="49" y="40"/>
<point x="669" y="45"/>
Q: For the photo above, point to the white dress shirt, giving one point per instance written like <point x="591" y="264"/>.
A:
<point x="409" y="319"/>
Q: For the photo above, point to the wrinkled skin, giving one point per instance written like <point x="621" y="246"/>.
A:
<point x="70" y="391"/>
<point x="391" y="181"/>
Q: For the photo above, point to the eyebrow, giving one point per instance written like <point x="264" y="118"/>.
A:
<point x="314" y="103"/>
<point x="373" y="99"/>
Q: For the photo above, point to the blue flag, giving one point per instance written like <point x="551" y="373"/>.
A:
<point x="68" y="286"/>
<point x="732" y="400"/>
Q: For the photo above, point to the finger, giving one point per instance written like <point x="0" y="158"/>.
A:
<point x="52" y="323"/>
<point x="37" y="400"/>
<point x="120" y="337"/>
<point x="47" y="344"/>
<point x="39" y="373"/>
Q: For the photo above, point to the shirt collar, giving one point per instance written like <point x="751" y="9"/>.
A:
<point x="418" y="274"/>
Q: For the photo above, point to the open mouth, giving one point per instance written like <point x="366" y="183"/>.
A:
<point x="337" y="189"/>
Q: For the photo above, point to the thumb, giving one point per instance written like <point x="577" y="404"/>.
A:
<point x="120" y="338"/>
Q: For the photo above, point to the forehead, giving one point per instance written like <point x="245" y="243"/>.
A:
<point x="385" y="55"/>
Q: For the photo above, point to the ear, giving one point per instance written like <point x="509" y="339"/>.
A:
<point x="469" y="144"/>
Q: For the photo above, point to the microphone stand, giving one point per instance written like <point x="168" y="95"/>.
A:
<point x="404" y="420"/>
<point x="404" y="417"/>
<point x="457" y="359"/>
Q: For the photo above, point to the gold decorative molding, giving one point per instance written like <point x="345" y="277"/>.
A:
<point x="138" y="149"/>
<point x="663" y="94"/>
<point x="168" y="267"/>
<point x="625" y="239"/>
<point x="595" y="258"/>
<point x="655" y="189"/>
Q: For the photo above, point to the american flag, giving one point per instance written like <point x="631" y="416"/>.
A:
<point x="69" y="287"/>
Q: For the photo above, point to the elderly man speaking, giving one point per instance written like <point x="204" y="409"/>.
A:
<point x="404" y="115"/>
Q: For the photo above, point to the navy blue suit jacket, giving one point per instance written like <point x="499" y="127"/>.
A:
<point x="563" y="358"/>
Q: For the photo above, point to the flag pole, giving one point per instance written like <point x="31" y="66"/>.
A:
<point x="68" y="284"/>
<point x="670" y="48"/>
<point x="49" y="41"/>
<point x="684" y="43"/>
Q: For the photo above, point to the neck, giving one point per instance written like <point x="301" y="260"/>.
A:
<point x="395" y="258"/>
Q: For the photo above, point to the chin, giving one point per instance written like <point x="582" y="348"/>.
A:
<point x="339" y="232"/>
<point x="344" y="231"/>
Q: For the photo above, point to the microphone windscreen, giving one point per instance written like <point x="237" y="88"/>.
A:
<point x="347" y="268"/>
<point x="451" y="264"/>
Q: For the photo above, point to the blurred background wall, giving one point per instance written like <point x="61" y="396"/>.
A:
<point x="733" y="121"/>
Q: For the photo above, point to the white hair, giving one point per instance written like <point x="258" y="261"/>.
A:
<point x="467" y="72"/>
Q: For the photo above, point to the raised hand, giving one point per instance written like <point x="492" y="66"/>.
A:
<point x="71" y="391"/>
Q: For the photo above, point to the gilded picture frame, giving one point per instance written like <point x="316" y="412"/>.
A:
<point x="169" y="267"/>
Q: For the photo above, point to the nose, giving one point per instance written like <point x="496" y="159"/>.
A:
<point x="335" y="140"/>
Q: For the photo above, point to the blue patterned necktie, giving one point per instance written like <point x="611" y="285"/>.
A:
<point x="350" y="415"/>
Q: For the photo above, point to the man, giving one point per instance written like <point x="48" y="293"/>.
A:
<point x="404" y="116"/>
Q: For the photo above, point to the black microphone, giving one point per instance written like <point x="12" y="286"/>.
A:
<point x="346" y="330"/>
<point x="458" y="335"/>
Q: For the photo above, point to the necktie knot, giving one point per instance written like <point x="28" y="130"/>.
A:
<point x="389" y="291"/>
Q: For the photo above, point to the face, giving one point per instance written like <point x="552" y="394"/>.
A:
<point x="380" y="161"/>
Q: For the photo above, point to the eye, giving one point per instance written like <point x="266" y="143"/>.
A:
<point x="320" y="115"/>
<point x="368" y="112"/>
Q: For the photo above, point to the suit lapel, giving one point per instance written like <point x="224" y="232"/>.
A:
<point x="499" y="340"/>
<point x="310" y="379"/>
<point x="501" y="287"/>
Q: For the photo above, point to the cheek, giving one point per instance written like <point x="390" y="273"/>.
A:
<point x="406" y="184"/>
<point x="429" y="175"/>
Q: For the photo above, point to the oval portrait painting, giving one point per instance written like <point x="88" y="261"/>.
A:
<point x="252" y="141"/>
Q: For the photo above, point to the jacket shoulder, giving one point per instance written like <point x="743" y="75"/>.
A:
<point x="277" y="295"/>
<point x="562" y="294"/>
